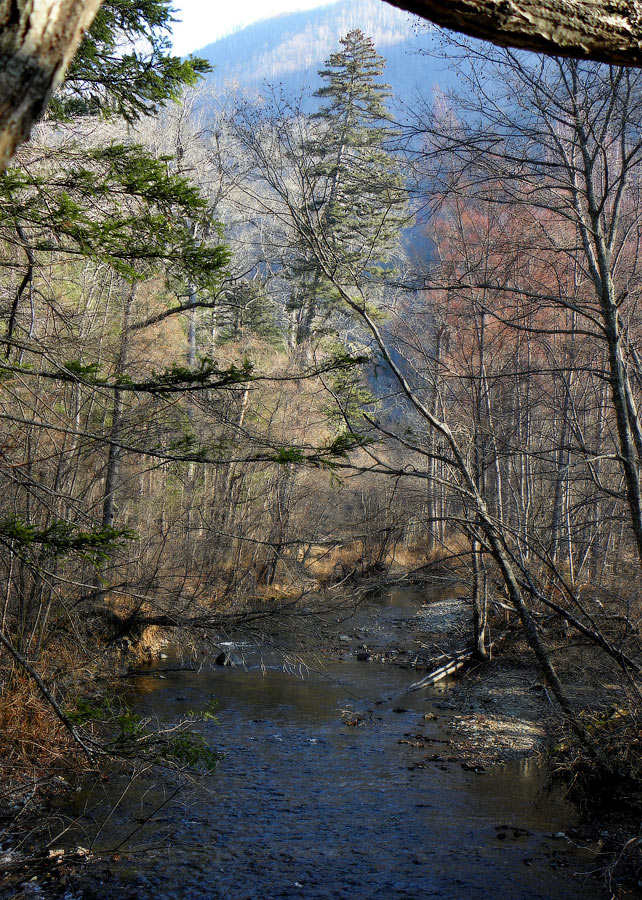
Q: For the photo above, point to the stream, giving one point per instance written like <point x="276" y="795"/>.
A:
<point x="304" y="806"/>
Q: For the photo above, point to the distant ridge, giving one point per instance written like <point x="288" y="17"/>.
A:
<point x="288" y="50"/>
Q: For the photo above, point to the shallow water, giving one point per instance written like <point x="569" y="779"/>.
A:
<point x="303" y="806"/>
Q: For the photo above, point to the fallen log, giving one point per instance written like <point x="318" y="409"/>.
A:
<point x="450" y="668"/>
<point x="456" y="662"/>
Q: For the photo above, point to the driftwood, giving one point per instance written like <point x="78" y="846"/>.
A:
<point x="449" y="668"/>
<point x="456" y="662"/>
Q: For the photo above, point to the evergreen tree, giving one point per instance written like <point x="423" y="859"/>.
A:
<point x="124" y="66"/>
<point x="359" y="202"/>
<point x="249" y="310"/>
<point x="83" y="197"/>
<point x="81" y="191"/>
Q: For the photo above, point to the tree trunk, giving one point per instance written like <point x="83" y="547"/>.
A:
<point x="115" y="453"/>
<point x="38" y="39"/>
<point x="583" y="29"/>
<point x="480" y="602"/>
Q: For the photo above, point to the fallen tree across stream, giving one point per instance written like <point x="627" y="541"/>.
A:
<point x="455" y="662"/>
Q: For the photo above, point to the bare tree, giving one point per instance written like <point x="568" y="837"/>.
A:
<point x="558" y="140"/>
<point x="40" y="38"/>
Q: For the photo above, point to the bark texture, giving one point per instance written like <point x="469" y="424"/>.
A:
<point x="38" y="38"/>
<point x="604" y="30"/>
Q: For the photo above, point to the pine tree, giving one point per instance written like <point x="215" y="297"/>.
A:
<point x="359" y="205"/>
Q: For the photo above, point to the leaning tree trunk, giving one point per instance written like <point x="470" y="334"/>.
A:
<point x="38" y="39"/>
<point x="584" y="29"/>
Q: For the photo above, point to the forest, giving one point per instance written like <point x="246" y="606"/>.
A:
<point x="253" y="355"/>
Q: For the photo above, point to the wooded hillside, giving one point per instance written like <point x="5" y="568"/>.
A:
<point x="233" y="376"/>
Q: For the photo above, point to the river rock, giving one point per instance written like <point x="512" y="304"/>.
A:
<point x="227" y="658"/>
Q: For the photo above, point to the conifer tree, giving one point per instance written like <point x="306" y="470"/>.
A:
<point x="124" y="66"/>
<point x="83" y="195"/>
<point x="359" y="203"/>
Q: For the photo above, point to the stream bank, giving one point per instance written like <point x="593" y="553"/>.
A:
<point x="336" y="783"/>
<point x="501" y="712"/>
<point x="498" y="711"/>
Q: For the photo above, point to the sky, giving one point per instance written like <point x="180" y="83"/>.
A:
<point x="204" y="21"/>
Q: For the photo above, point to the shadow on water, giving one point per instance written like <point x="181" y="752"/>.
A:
<point x="303" y="806"/>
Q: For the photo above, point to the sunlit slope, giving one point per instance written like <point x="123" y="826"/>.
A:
<point x="288" y="50"/>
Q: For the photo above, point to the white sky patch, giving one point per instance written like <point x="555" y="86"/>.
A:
<point x="204" y="21"/>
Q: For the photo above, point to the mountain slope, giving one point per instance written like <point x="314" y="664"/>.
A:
<point x="288" y="50"/>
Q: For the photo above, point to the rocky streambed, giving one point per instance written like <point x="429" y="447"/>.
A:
<point x="339" y="783"/>
<point x="498" y="712"/>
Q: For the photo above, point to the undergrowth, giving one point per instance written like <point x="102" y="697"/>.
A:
<point x="41" y="762"/>
<point x="606" y="786"/>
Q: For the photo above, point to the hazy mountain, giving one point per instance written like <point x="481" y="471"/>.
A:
<point x="289" y="49"/>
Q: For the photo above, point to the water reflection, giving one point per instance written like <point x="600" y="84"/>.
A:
<point x="303" y="806"/>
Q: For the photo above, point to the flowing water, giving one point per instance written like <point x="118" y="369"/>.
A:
<point x="304" y="806"/>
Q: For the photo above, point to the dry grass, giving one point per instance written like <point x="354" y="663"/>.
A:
<point x="32" y="739"/>
<point x="34" y="744"/>
<point x="327" y="563"/>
